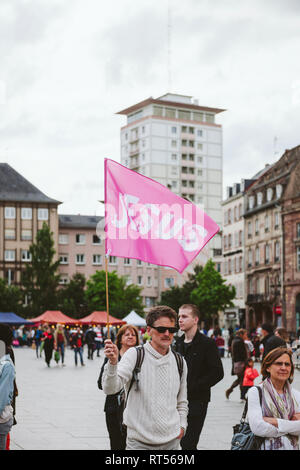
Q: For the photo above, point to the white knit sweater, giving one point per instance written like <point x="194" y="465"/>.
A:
<point x="155" y="413"/>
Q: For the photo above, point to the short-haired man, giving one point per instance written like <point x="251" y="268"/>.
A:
<point x="205" y="369"/>
<point x="269" y="340"/>
<point x="156" y="412"/>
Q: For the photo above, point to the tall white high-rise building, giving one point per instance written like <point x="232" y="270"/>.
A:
<point x="177" y="142"/>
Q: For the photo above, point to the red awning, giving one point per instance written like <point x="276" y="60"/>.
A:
<point x="54" y="317"/>
<point x="100" y="318"/>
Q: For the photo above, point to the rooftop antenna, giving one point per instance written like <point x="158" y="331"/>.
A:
<point x="169" y="47"/>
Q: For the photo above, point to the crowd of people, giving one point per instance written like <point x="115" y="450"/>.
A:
<point x="158" y="380"/>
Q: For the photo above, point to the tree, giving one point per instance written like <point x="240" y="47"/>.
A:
<point x="211" y="294"/>
<point x="177" y="296"/>
<point x="122" y="298"/>
<point x="40" y="279"/>
<point x="10" y="298"/>
<point x="71" y="298"/>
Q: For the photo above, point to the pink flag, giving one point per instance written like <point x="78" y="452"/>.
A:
<point x="146" y="221"/>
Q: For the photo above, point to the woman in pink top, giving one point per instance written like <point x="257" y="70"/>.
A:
<point x="250" y="375"/>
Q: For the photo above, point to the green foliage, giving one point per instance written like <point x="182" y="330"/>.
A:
<point x="71" y="298"/>
<point x="10" y="298"/>
<point x="205" y="288"/>
<point x="177" y="296"/>
<point x="40" y="279"/>
<point x="212" y="294"/>
<point x="122" y="298"/>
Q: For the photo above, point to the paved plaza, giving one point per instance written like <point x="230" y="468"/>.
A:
<point x="61" y="408"/>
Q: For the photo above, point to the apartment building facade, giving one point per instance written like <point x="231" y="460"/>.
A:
<point x="23" y="210"/>
<point x="178" y="143"/>
<point x="233" y="251"/>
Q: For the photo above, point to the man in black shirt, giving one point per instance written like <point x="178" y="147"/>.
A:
<point x="205" y="369"/>
<point x="270" y="341"/>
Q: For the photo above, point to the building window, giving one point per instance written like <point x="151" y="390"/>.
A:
<point x="127" y="261"/>
<point x="139" y="280"/>
<point x="80" y="239"/>
<point x="267" y="254"/>
<point x="139" y="262"/>
<point x="198" y="117"/>
<point x="9" y="276"/>
<point x="169" y="282"/>
<point x="250" y="260"/>
<point x="174" y="143"/>
<point x="267" y="223"/>
<point x="257" y="256"/>
<point x="10" y="255"/>
<point x="112" y="260"/>
<point x="259" y="199"/>
<point x="149" y="281"/>
<point x="298" y="258"/>
<point x="26" y="256"/>
<point x="64" y="279"/>
<point x="43" y="214"/>
<point x="96" y="240"/>
<point x="26" y="234"/>
<point x="199" y="146"/>
<point x="149" y="301"/>
<point x="251" y="202"/>
<point x="97" y="259"/>
<point x="63" y="239"/>
<point x="269" y="194"/>
<point x="10" y="234"/>
<point x="298" y="230"/>
<point x="184" y="115"/>
<point x="277" y="252"/>
<point x="10" y="213"/>
<point x="256" y="227"/>
<point x="174" y="130"/>
<point x="199" y="132"/>
<point x="64" y="259"/>
<point x="278" y="190"/>
<point x="249" y="229"/>
<point x="170" y="113"/>
<point x="174" y="156"/>
<point x="26" y="213"/>
<point x="80" y="259"/>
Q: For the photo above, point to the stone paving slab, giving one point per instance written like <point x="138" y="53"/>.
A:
<point x="61" y="408"/>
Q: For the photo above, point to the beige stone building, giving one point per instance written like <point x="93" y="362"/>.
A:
<point x="23" y="210"/>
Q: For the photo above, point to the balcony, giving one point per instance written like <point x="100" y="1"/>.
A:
<point x="258" y="299"/>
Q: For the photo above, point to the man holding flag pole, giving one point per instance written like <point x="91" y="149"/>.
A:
<point x="146" y="221"/>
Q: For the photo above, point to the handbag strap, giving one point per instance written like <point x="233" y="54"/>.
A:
<point x="246" y="404"/>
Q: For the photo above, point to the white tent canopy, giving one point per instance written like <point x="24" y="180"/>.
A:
<point x="134" y="319"/>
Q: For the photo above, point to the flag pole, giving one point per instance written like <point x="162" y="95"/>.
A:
<point x="107" y="303"/>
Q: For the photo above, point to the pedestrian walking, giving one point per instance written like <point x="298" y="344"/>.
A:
<point x="156" y="410"/>
<point x="77" y="345"/>
<point x="205" y="370"/>
<point x="7" y="378"/>
<point x="276" y="417"/>
<point x="37" y="339"/>
<point x="60" y="343"/>
<point x="98" y="340"/>
<point x="240" y="355"/>
<point x="269" y="340"/>
<point x="127" y="337"/>
<point x="250" y="375"/>
<point x="220" y="342"/>
<point x="90" y="337"/>
<point x="48" y="340"/>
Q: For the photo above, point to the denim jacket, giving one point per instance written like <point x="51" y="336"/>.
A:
<point x="7" y="376"/>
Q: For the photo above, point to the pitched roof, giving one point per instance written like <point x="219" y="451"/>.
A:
<point x="78" y="221"/>
<point x="15" y="188"/>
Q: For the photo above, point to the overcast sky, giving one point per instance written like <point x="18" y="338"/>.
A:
<point x="67" y="66"/>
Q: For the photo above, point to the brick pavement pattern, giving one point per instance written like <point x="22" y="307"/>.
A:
<point x="61" y="408"/>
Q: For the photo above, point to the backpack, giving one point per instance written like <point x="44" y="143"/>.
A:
<point x="139" y="361"/>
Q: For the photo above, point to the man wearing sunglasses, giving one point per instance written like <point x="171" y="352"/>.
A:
<point x="205" y="369"/>
<point x="156" y="410"/>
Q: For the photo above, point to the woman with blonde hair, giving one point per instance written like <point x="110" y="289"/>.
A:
<point x="127" y="337"/>
<point x="276" y="416"/>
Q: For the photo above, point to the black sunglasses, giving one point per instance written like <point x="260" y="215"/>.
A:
<point x="163" y="329"/>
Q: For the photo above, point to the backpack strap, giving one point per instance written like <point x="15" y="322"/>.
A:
<point x="140" y="353"/>
<point x="179" y="361"/>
